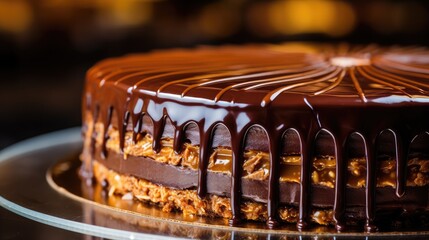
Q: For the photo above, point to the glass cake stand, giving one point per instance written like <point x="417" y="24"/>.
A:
<point x="39" y="181"/>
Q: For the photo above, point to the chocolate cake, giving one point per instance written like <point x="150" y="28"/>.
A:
<point x="294" y="133"/>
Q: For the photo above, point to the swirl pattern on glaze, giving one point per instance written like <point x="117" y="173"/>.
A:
<point x="306" y="89"/>
<point x="274" y="70"/>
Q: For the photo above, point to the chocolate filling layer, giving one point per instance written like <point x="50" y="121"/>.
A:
<point x="256" y="139"/>
<point x="220" y="184"/>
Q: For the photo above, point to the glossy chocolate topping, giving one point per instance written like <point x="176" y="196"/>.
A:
<point x="287" y="94"/>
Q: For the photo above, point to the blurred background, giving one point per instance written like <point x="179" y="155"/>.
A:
<point x="47" y="45"/>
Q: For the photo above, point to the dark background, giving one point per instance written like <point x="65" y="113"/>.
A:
<point x="47" y="45"/>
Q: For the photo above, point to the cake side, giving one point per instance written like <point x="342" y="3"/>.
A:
<point x="139" y="160"/>
<point x="298" y="95"/>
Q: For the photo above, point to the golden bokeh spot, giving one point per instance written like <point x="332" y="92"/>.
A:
<point x="218" y="20"/>
<point x="388" y="18"/>
<point x="130" y="12"/>
<point x="333" y="18"/>
<point x="257" y="20"/>
<point x="15" y="16"/>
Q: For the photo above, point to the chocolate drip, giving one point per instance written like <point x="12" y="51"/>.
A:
<point x="236" y="173"/>
<point x="136" y="117"/>
<point x="122" y="129"/>
<point x="401" y="156"/>
<point x="273" y="181"/>
<point x="270" y="87"/>
<point x="178" y="140"/>
<point x="370" y="183"/>
<point x="137" y="123"/>
<point x="340" y="181"/>
<point x="205" y="142"/>
<point x="304" y="201"/>
<point x="95" y="116"/>
<point x="158" y="129"/>
<point x="107" y="119"/>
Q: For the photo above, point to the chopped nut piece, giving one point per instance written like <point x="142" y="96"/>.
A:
<point x="289" y="214"/>
<point x="221" y="160"/>
<point x="258" y="175"/>
<point x="190" y="156"/>
<point x="290" y="168"/>
<point x="424" y="166"/>
<point x="386" y="173"/>
<point x="315" y="177"/>
<point x="357" y="169"/>
<point x="323" y="217"/>
<point x="251" y="163"/>
<point x="417" y="172"/>
<point x="127" y="196"/>
<point x="324" y="171"/>
<point x="420" y="179"/>
<point x="361" y="183"/>
<point x="256" y="166"/>
<point x="291" y="160"/>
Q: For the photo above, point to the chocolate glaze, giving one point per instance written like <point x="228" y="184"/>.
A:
<point x="279" y="89"/>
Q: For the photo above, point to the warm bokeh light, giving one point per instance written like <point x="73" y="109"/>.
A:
<point x="402" y="17"/>
<point x="15" y="16"/>
<point x="106" y="13"/>
<point x="218" y="20"/>
<point x="87" y="23"/>
<point x="258" y="21"/>
<point x="122" y="13"/>
<point x="333" y="18"/>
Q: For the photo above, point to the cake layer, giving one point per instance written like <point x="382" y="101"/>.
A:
<point x="256" y="165"/>
<point x="188" y="202"/>
<point x="220" y="184"/>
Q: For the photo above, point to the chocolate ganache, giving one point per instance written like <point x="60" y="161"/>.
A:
<point x="300" y="100"/>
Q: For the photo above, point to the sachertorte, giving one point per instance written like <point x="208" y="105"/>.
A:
<point x="330" y="134"/>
